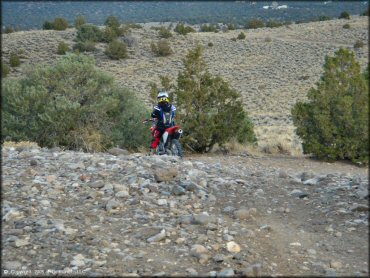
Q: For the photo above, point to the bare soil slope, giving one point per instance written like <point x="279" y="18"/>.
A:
<point x="273" y="68"/>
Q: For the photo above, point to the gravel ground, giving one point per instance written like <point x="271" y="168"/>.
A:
<point x="134" y="215"/>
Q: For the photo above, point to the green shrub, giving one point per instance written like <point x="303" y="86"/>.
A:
<point x="334" y="123"/>
<point x="109" y="34"/>
<point x="359" y="44"/>
<point x="84" y="46"/>
<point x="116" y="50"/>
<point x="344" y="15"/>
<point x="112" y="22"/>
<point x="324" y="18"/>
<point x="254" y="24"/>
<point x="273" y="24"/>
<point x="114" y="26"/>
<point x="14" y="60"/>
<point x="183" y="30"/>
<point x="79" y="21"/>
<point x="231" y="26"/>
<point x="210" y="44"/>
<point x="4" y="69"/>
<point x="62" y="48"/>
<point x="60" y="24"/>
<point x="234" y="39"/>
<point x="89" y="32"/>
<point x="21" y="53"/>
<point x="48" y="25"/>
<point x="162" y="48"/>
<point x="8" y="30"/>
<point x="164" y="33"/>
<point x="208" y="28"/>
<point x="72" y="104"/>
<point x="165" y="85"/>
<point x="346" y="26"/>
<point x="241" y="36"/>
<point x="212" y="112"/>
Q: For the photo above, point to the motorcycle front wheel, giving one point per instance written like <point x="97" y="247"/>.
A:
<point x="176" y="148"/>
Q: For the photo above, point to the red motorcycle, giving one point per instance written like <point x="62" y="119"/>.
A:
<point x="169" y="143"/>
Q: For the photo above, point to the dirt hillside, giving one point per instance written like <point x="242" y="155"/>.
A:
<point x="272" y="68"/>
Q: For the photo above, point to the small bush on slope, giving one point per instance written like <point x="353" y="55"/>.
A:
<point x="4" y="69"/>
<point x="79" y="21"/>
<point x="116" y="50"/>
<point x="62" y="48"/>
<point x="183" y="30"/>
<point x="161" y="48"/>
<point x="89" y="32"/>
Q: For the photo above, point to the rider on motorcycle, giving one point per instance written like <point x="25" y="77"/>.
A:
<point x="164" y="112"/>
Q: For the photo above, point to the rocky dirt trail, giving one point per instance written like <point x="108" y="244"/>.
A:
<point x="211" y="215"/>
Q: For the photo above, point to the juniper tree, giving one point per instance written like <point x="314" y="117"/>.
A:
<point x="211" y="111"/>
<point x="334" y="123"/>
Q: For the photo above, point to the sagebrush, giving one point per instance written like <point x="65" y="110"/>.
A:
<point x="164" y="33"/>
<point x="14" y="60"/>
<point x="183" y="30"/>
<point x="254" y="23"/>
<point x="63" y="47"/>
<point x="161" y="48"/>
<point x="80" y="20"/>
<point x="89" y="32"/>
<point x="4" y="69"/>
<point x="116" y="50"/>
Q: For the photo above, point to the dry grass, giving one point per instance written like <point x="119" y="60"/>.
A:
<point x="278" y="140"/>
<point x="92" y="140"/>
<point x="9" y="144"/>
<point x="234" y="147"/>
<point x="273" y="140"/>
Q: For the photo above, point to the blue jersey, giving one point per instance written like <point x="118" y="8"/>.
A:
<point x="165" y="115"/>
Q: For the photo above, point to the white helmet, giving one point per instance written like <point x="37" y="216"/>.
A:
<point x="163" y="97"/>
<point x="162" y="94"/>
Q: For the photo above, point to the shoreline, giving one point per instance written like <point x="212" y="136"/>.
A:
<point x="197" y="25"/>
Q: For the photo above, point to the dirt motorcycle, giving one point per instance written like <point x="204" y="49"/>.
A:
<point x="169" y="143"/>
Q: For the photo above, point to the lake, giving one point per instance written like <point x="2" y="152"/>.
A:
<point x="31" y="15"/>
